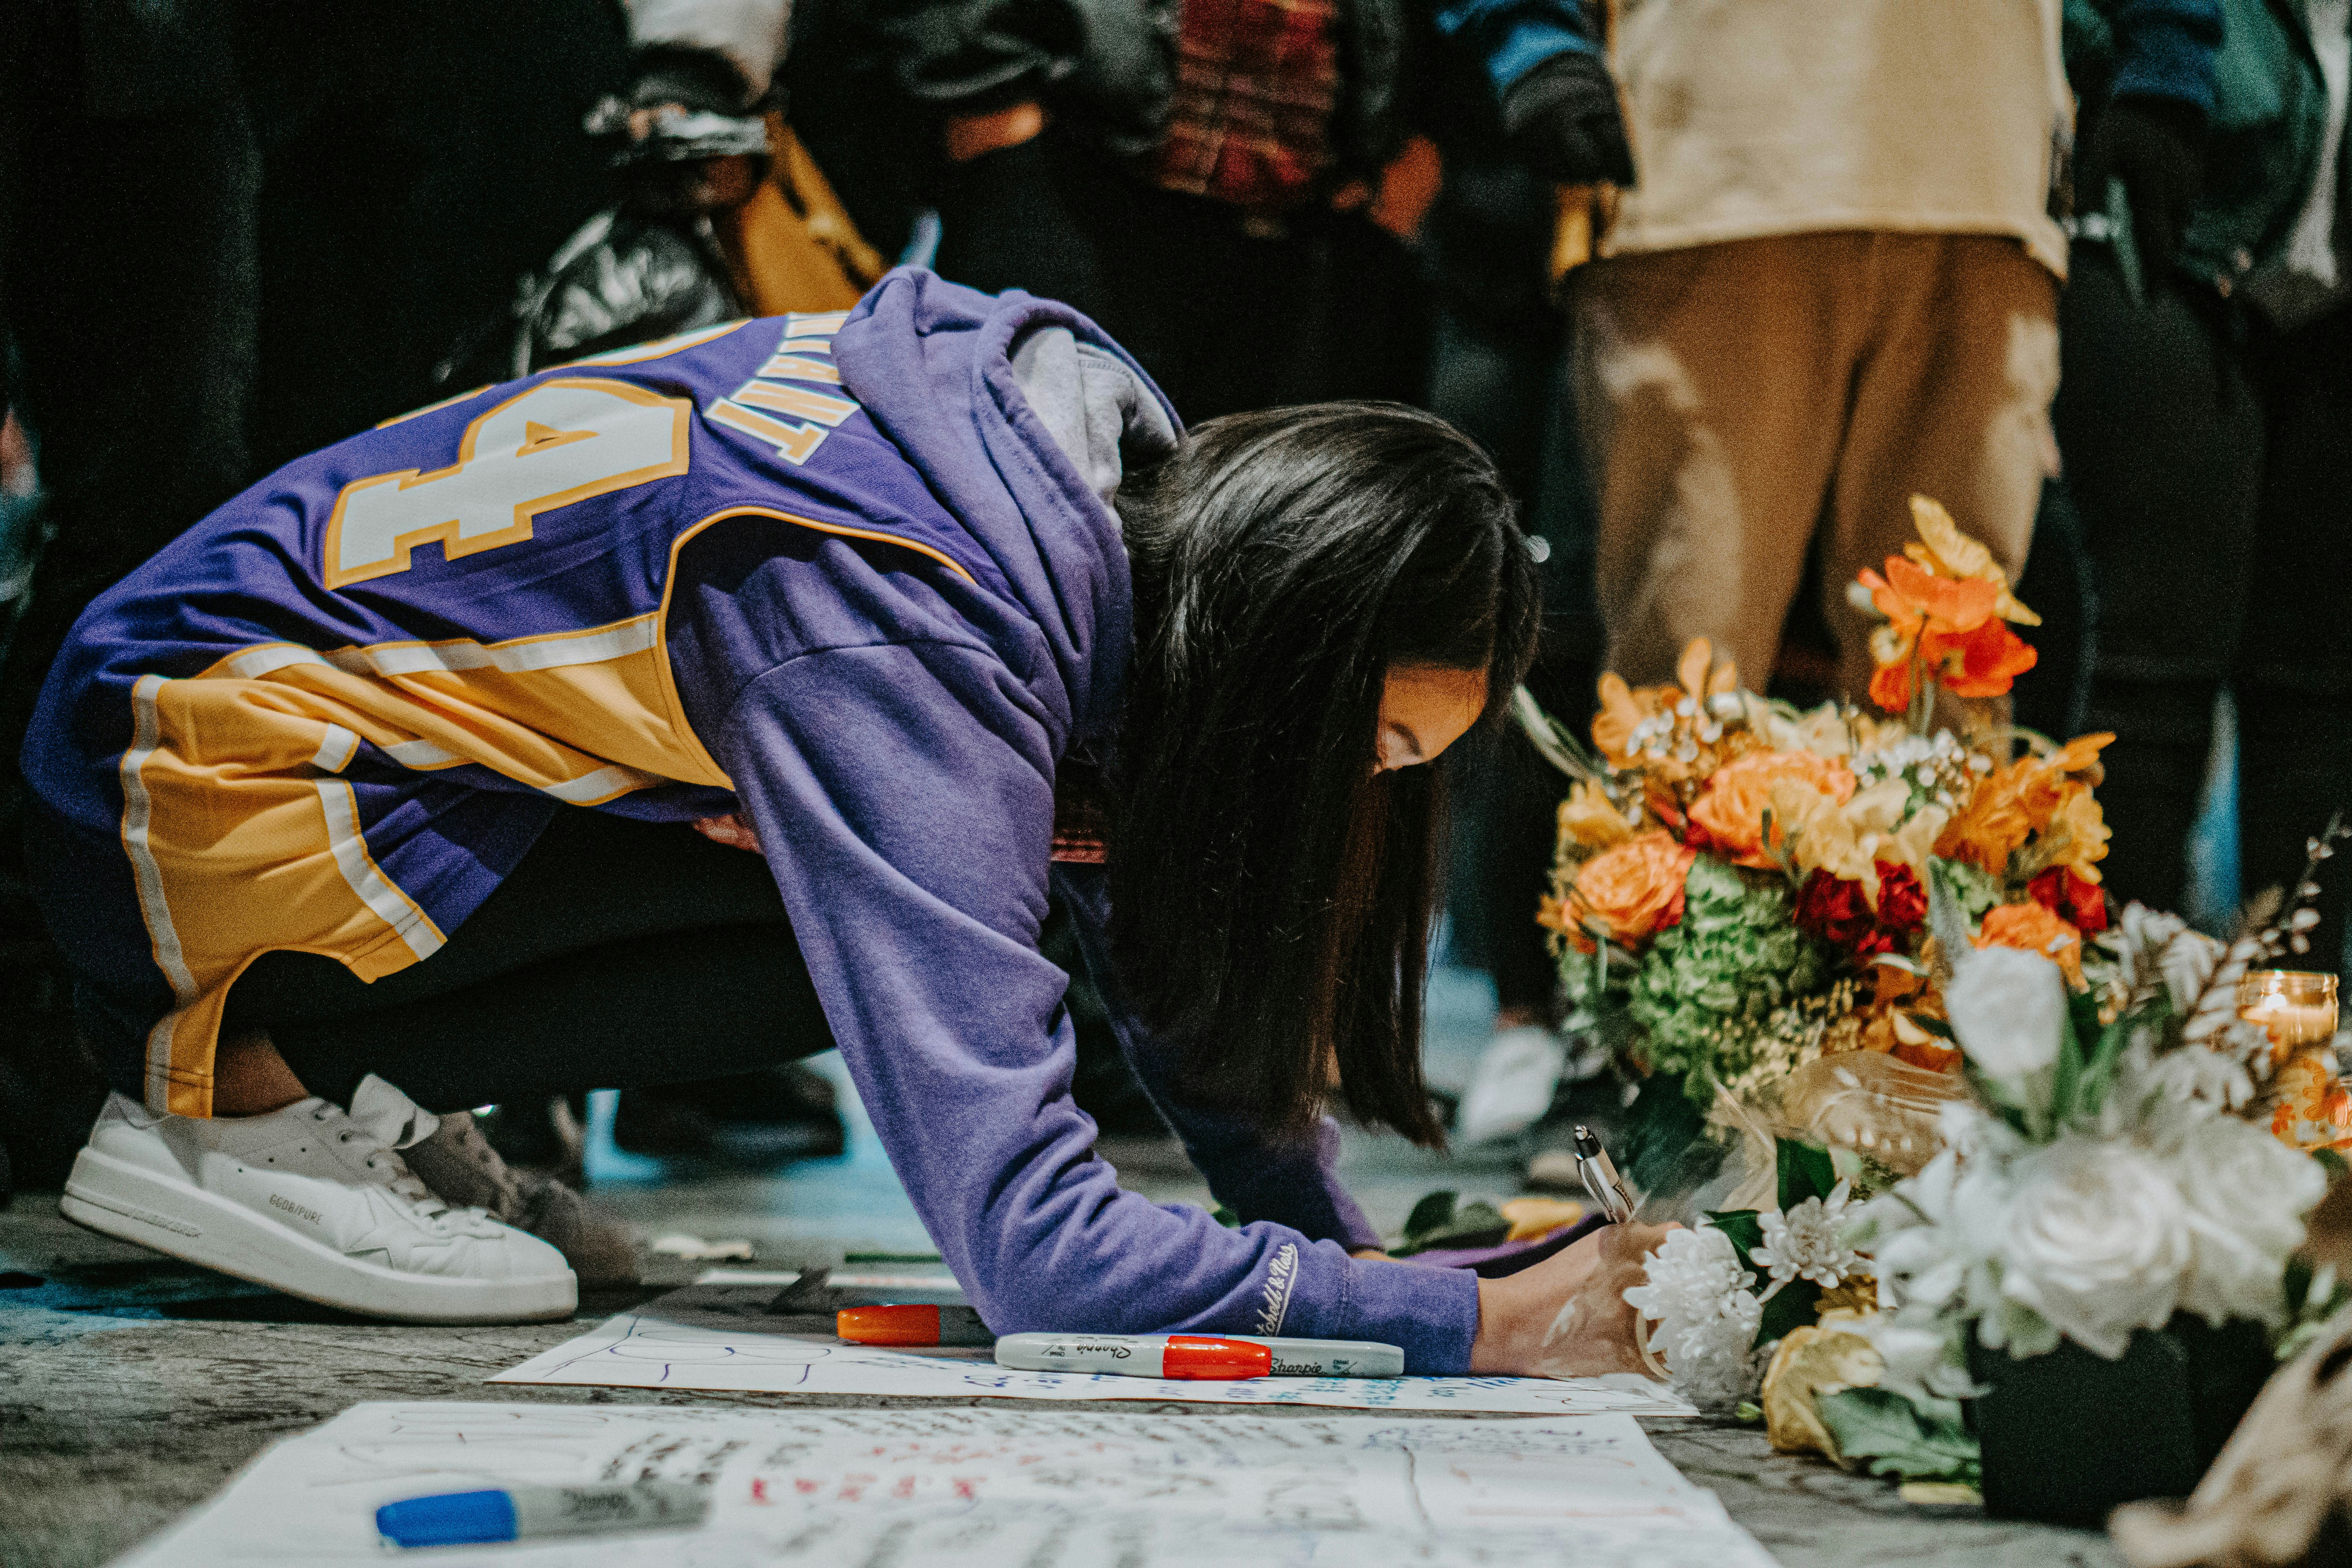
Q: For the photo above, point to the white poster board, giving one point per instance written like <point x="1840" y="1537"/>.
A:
<point x="931" y="1488"/>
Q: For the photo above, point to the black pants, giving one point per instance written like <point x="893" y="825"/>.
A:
<point x="2210" y="460"/>
<point x="619" y="953"/>
<point x="1225" y="316"/>
<point x="1498" y="380"/>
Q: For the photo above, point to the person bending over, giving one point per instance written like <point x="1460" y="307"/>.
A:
<point x="381" y="775"/>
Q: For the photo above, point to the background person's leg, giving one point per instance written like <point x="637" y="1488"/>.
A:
<point x="2163" y="441"/>
<point x="2293" y="673"/>
<point x="1951" y="401"/>
<point x="1710" y="382"/>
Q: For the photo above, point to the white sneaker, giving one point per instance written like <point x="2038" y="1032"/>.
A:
<point x="1512" y="1086"/>
<point x="315" y="1202"/>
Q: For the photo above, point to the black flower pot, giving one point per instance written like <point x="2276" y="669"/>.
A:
<point x="2070" y="1435"/>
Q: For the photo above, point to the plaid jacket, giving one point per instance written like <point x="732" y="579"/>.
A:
<point x="1249" y="122"/>
<point x="1113" y="71"/>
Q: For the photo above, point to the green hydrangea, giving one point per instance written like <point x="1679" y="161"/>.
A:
<point x="1975" y="889"/>
<point x="1705" y="990"/>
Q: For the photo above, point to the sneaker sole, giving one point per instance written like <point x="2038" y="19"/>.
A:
<point x="121" y="1200"/>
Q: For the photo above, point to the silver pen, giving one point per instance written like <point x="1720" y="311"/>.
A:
<point x="1600" y="1178"/>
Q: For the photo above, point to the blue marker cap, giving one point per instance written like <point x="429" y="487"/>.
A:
<point x="453" y="1519"/>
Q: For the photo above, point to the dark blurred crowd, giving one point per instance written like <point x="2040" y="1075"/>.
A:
<point x="1719" y="283"/>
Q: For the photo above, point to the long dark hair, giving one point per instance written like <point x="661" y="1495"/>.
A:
<point x="1271" y="897"/>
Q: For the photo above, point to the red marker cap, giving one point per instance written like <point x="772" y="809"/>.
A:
<point x="1203" y="1360"/>
<point x="912" y="1324"/>
<point x="906" y="1325"/>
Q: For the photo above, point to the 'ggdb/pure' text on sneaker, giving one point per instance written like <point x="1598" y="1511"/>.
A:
<point x="314" y="1201"/>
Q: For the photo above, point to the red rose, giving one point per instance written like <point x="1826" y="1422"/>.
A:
<point x="1902" y="902"/>
<point x="2081" y="903"/>
<point x="1834" y="909"/>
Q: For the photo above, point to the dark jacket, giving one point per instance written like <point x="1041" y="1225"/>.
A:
<point x="2265" y="103"/>
<point x="1109" y="67"/>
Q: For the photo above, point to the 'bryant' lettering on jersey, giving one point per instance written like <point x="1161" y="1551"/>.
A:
<point x="753" y="407"/>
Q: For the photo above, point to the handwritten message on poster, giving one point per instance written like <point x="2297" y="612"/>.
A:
<point x="920" y="1487"/>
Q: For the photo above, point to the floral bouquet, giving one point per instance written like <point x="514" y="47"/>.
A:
<point x="2110" y="1188"/>
<point x="1741" y="890"/>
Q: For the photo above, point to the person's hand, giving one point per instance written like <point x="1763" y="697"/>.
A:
<point x="733" y="829"/>
<point x="2156" y="146"/>
<point x="1567" y="1316"/>
<point x="970" y="136"/>
<point x="1562" y="120"/>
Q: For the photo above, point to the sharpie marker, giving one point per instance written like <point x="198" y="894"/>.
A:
<point x="912" y="1325"/>
<point x="537" y="1513"/>
<point x="1198" y="1356"/>
<point x="1601" y="1177"/>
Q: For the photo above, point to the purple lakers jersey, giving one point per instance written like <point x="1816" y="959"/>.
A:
<point x="331" y="716"/>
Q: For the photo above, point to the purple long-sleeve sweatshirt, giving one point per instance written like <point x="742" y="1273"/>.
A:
<point x="895" y="739"/>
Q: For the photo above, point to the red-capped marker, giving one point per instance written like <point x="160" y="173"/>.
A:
<point x="1192" y="1357"/>
<point x="912" y="1324"/>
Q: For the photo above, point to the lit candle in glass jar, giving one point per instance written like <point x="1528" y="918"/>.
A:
<point x="2294" y="1007"/>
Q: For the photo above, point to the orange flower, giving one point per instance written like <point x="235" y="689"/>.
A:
<point x="1588" y="821"/>
<point x="1985" y="662"/>
<point x="1551" y="913"/>
<point x="1632" y="891"/>
<point x="2034" y="929"/>
<point x="1915" y="599"/>
<point x="1949" y="551"/>
<point x="1732" y="809"/>
<point x="2030" y="795"/>
<point x="1625" y="708"/>
<point x="1945" y="602"/>
<point x="2080" y="755"/>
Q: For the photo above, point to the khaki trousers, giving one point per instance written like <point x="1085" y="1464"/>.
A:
<point x="1735" y="399"/>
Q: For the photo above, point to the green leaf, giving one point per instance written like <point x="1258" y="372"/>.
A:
<point x="1746" y="1230"/>
<point x="1883" y="1427"/>
<point x="2099" y="1077"/>
<point x="2083" y="1012"/>
<point x="1433" y="1211"/>
<point x="1478" y="1224"/>
<point x="1226" y="1217"/>
<point x="1666" y="1147"/>
<point x="2333" y="1164"/>
<point x="2067" y="1083"/>
<point x="1797" y="1303"/>
<point x="1436" y="1221"/>
<point x="1806" y="1172"/>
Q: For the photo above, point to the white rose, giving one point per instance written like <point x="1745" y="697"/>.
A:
<point x="2247" y="1194"/>
<point x="1923" y="1361"/>
<point x="1938" y="1235"/>
<point x="2008" y="1007"/>
<point x="2098" y="1241"/>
